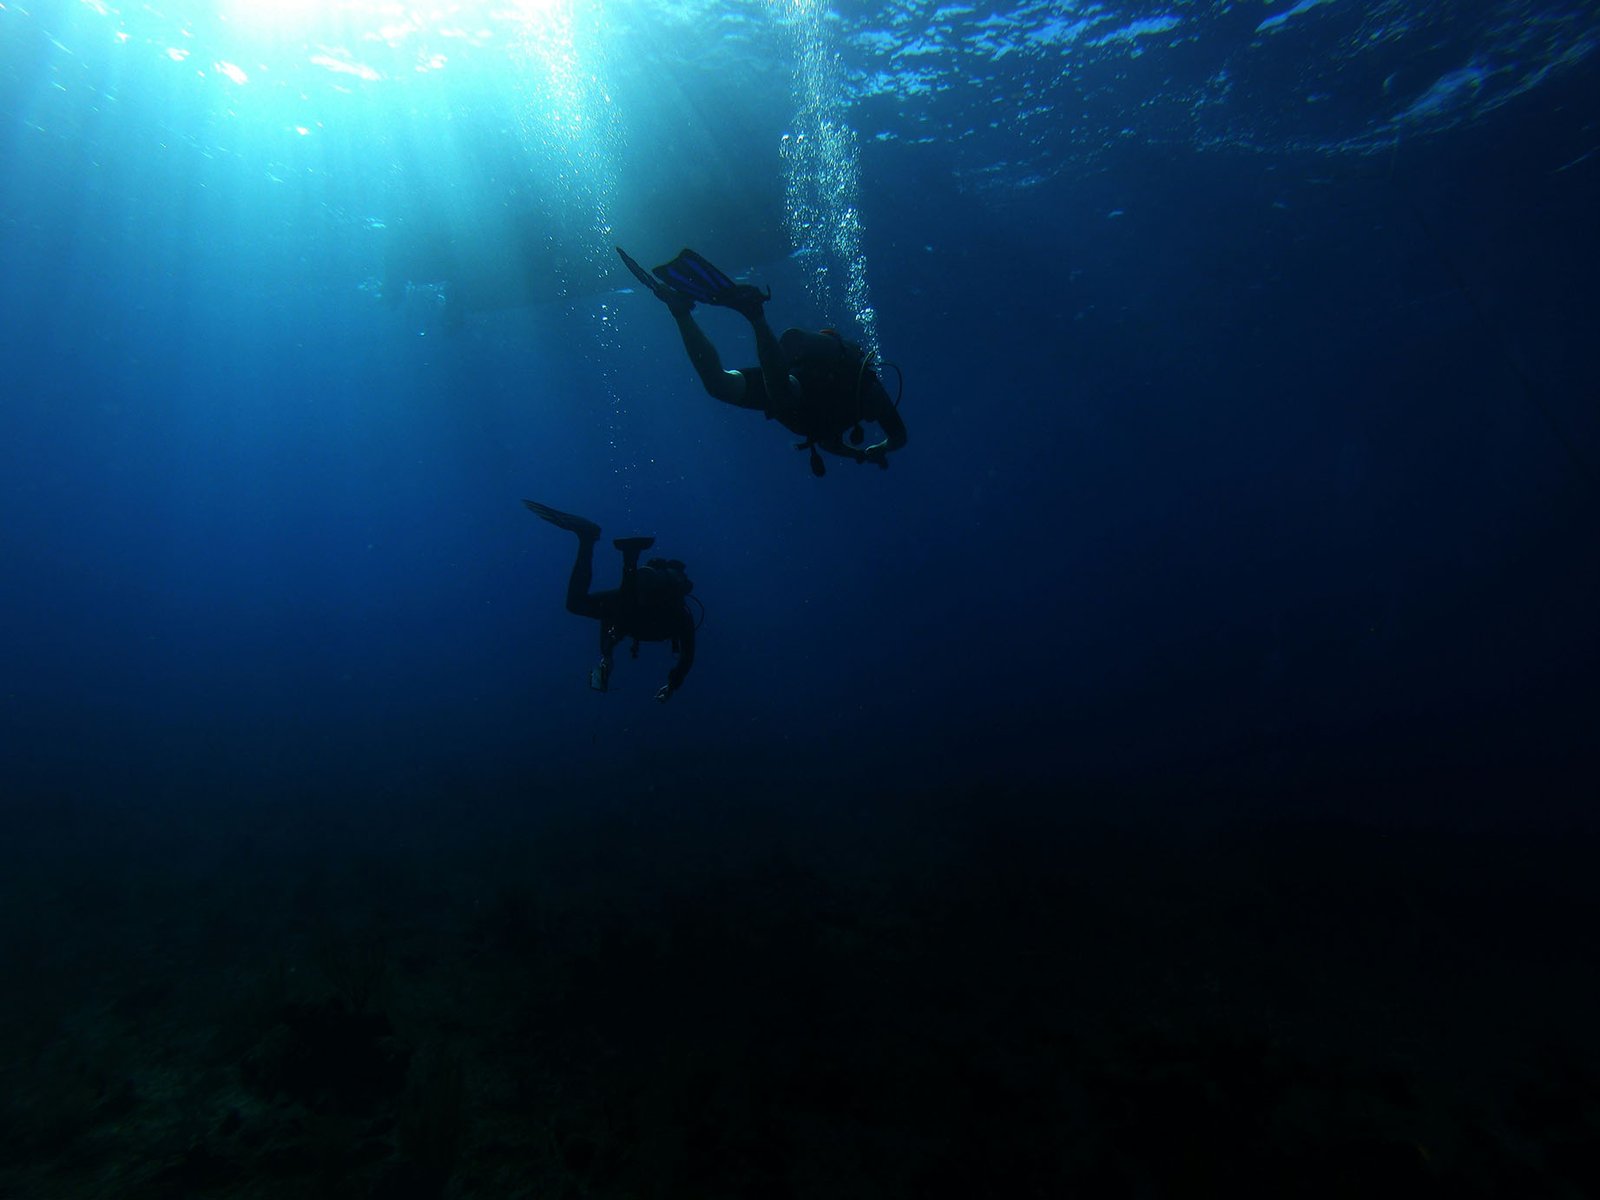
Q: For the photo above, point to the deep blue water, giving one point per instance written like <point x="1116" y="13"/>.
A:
<point x="1257" y="459"/>
<point x="1250" y="373"/>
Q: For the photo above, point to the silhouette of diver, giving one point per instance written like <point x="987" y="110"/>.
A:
<point x="650" y="605"/>
<point x="815" y="384"/>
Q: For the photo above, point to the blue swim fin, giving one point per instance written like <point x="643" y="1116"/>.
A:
<point x="677" y="301"/>
<point x="691" y="275"/>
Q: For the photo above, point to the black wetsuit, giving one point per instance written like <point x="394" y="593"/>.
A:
<point x="825" y="410"/>
<point x="838" y="391"/>
<point x="636" y="611"/>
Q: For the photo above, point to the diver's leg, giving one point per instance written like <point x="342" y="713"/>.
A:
<point x="782" y="392"/>
<point x="579" y="601"/>
<point x="631" y="548"/>
<point x="727" y="386"/>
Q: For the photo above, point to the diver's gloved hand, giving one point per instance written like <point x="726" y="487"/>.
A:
<point x="746" y="299"/>
<point x="664" y="694"/>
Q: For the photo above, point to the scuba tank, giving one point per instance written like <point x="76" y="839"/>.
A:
<point x="836" y="376"/>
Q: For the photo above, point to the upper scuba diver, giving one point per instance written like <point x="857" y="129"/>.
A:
<point x="651" y="605"/>
<point x="816" y="385"/>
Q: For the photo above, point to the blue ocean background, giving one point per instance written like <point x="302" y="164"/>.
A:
<point x="1211" y="680"/>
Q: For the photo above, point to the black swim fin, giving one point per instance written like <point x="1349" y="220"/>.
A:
<point x="679" y="302"/>
<point x="692" y="275"/>
<point x="572" y="523"/>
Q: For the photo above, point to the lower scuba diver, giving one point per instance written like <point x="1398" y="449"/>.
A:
<point x="650" y="605"/>
<point x="815" y="384"/>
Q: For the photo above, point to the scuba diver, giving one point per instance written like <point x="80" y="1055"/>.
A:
<point x="649" y="606"/>
<point x="816" y="385"/>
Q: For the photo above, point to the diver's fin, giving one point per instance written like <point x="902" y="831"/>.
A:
<point x="639" y="272"/>
<point x="581" y="526"/>
<point x="678" y="302"/>
<point x="693" y="276"/>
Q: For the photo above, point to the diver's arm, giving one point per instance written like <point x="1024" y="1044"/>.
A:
<point x="680" y="669"/>
<point x="888" y="417"/>
<point x="835" y="445"/>
<point x="893" y="427"/>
